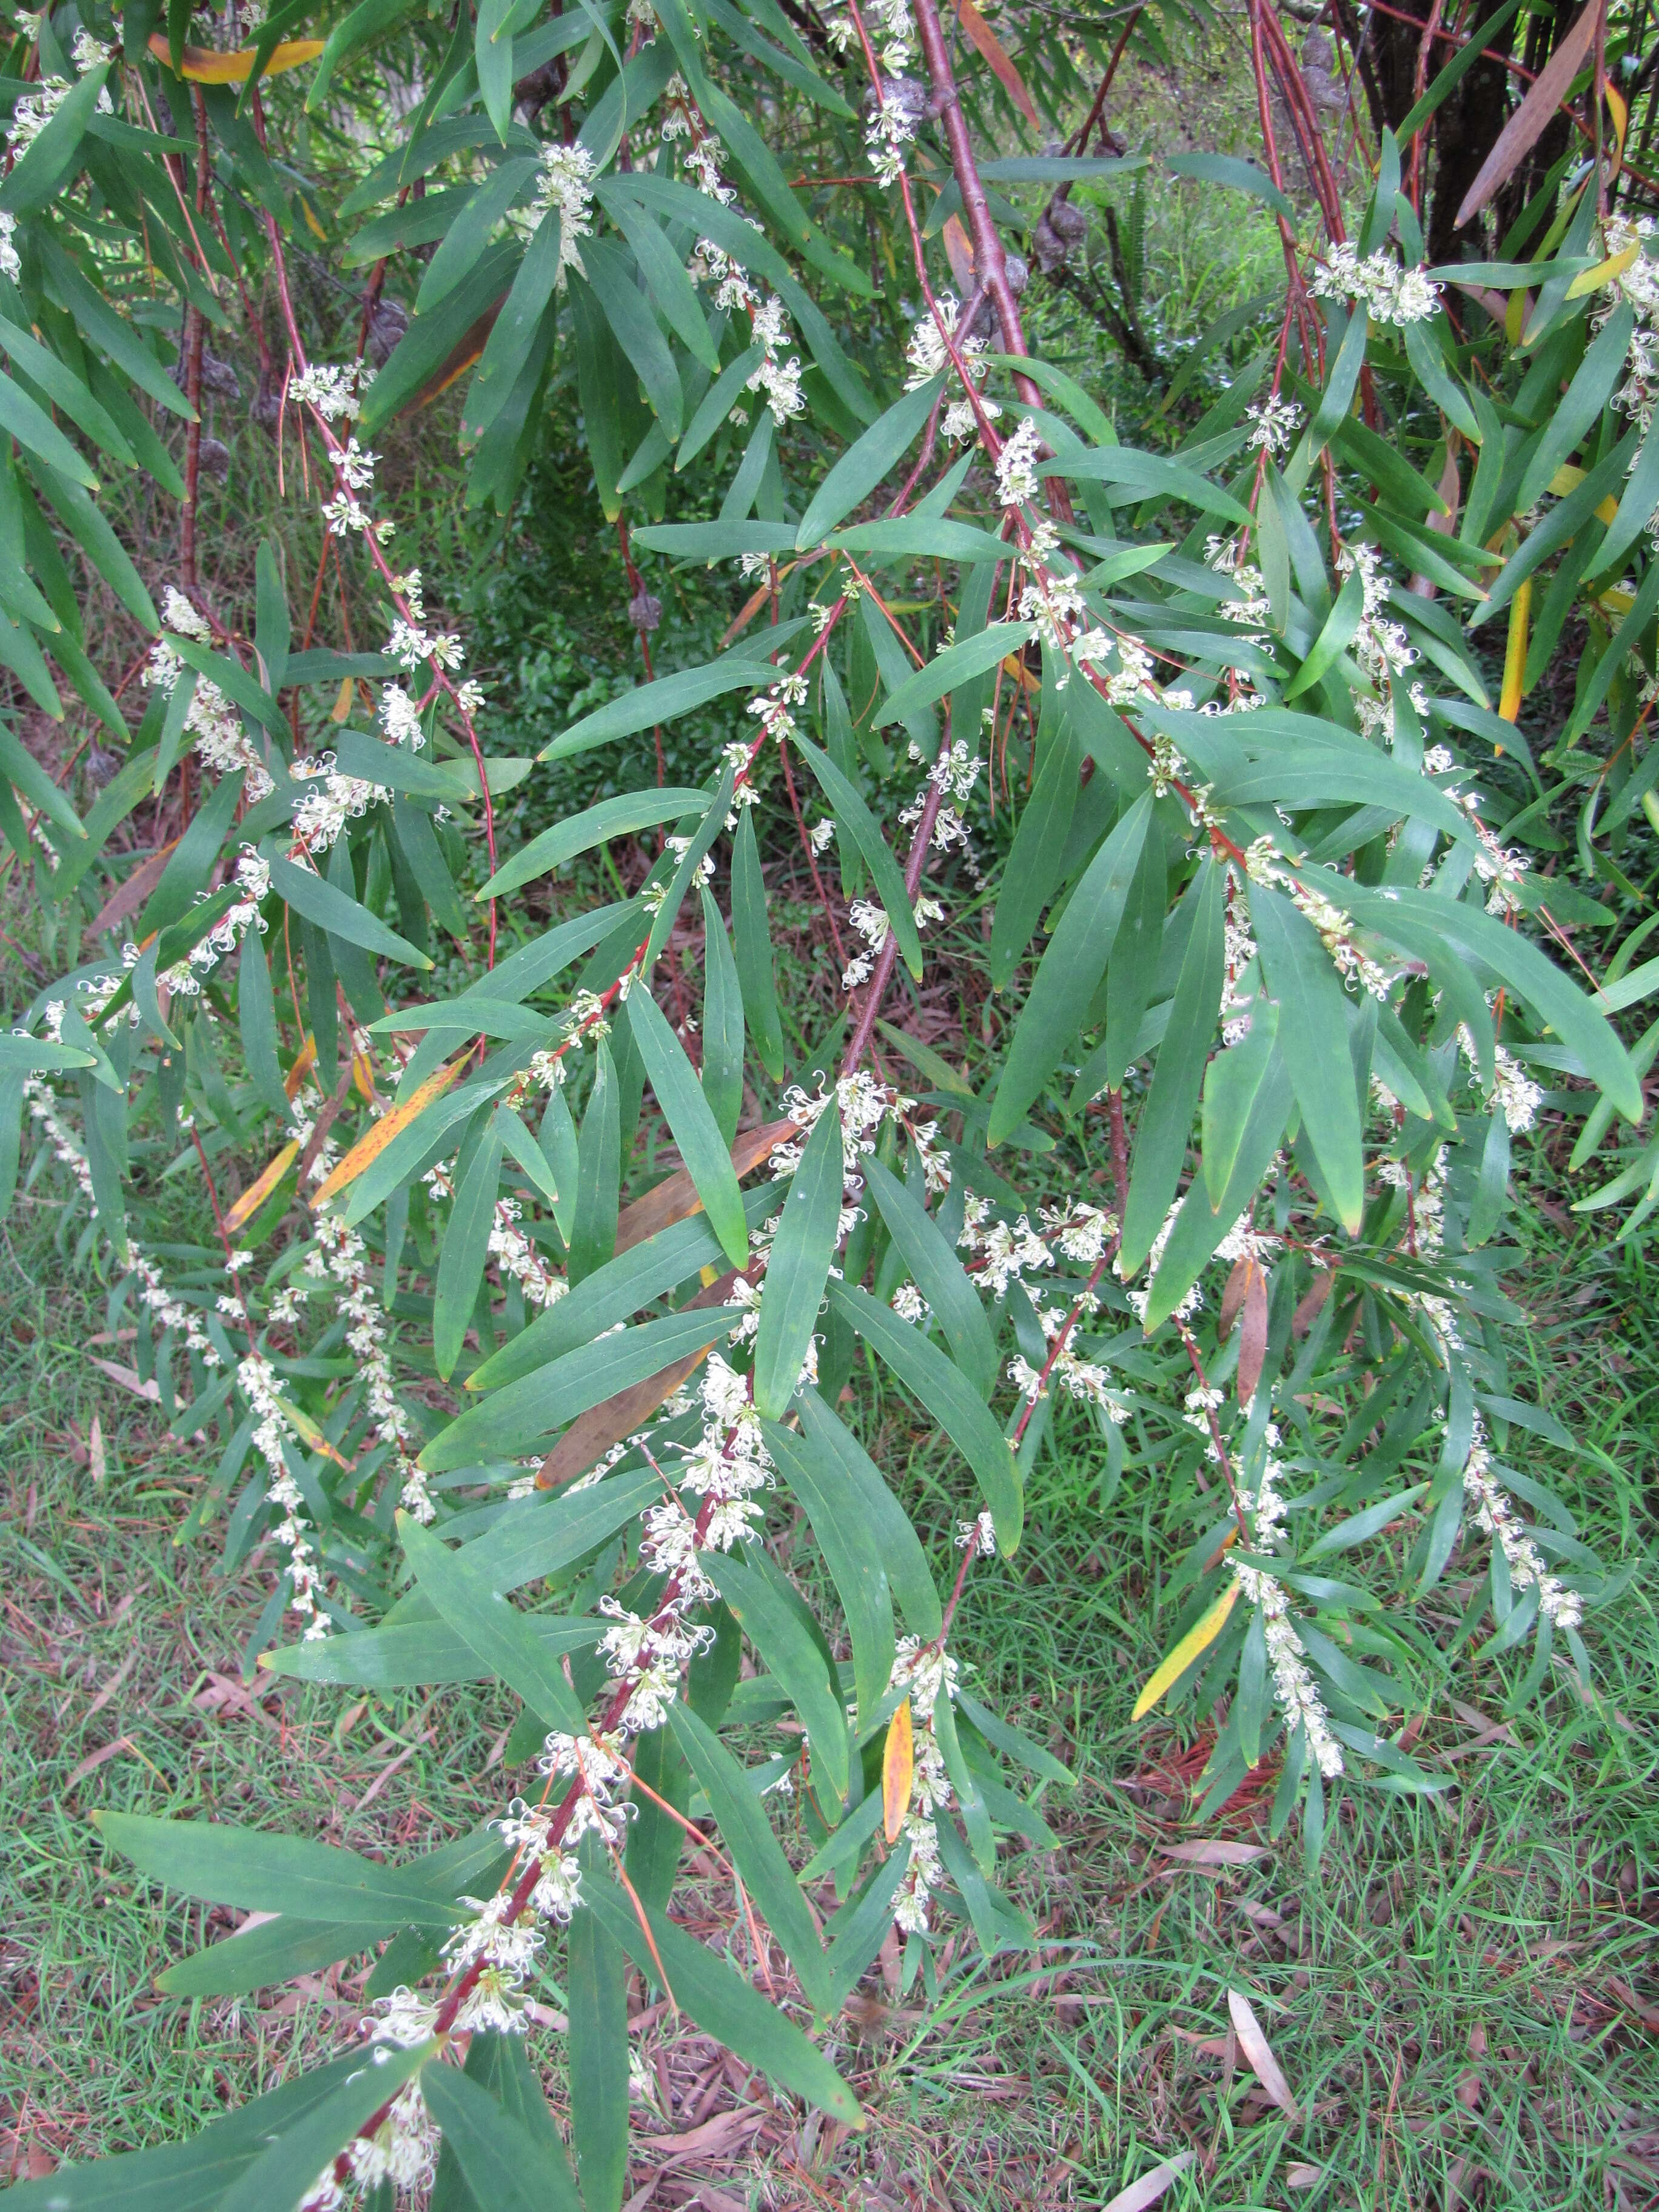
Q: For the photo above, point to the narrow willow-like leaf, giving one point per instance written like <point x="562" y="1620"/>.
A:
<point x="799" y="1265"/>
<point x="691" y="1119"/>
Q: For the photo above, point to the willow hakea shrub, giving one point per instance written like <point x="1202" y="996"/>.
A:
<point x="1274" y="989"/>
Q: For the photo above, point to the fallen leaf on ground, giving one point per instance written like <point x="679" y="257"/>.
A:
<point x="1259" y="2056"/>
<point x="1150" y="2187"/>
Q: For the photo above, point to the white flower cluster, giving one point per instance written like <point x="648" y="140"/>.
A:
<point x="1382" y="647"/>
<point x="516" y="1253"/>
<point x="211" y="719"/>
<point x="354" y="472"/>
<point x="1639" y="285"/>
<point x="777" y="377"/>
<point x="347" y="1260"/>
<point x="1002" y="1249"/>
<point x="870" y="919"/>
<point x="1295" y="1691"/>
<point x="1388" y="293"/>
<point x="1277" y="420"/>
<point x="923" y="1670"/>
<point x="1499" y="866"/>
<point x="1500" y="1520"/>
<point x="36" y="108"/>
<point x="1336" y="926"/>
<point x="256" y="1378"/>
<point x="170" y="1312"/>
<point x="565" y="188"/>
<point x="955" y="776"/>
<point x="1252" y="611"/>
<point x="403" y="2150"/>
<point x="333" y="389"/>
<point x="184" y="977"/>
<point x="1017" y="469"/>
<point x="927" y="354"/>
<point x="1082" y="1379"/>
<point x="330" y="800"/>
<point x="1513" y="1093"/>
<point x="10" y="263"/>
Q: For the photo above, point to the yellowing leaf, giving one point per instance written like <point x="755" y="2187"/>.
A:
<point x="1195" y="1641"/>
<point x="1619" y="108"/>
<point x="375" y="1140"/>
<point x="302" y="1066"/>
<point x="898" y="1768"/>
<point x="315" y="228"/>
<point x="363" y="1074"/>
<point x="1515" y="653"/>
<point x="342" y="706"/>
<point x="203" y="66"/>
<point x="1605" y="273"/>
<point x="259" y="1190"/>
<point x="308" y="1432"/>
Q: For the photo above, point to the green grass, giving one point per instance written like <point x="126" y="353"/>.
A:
<point x="1454" y="1995"/>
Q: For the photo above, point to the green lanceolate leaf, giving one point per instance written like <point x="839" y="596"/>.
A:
<point x="851" y="1477"/>
<point x="1071" y="970"/>
<point x="464" y="1251"/>
<point x="799" y="1265"/>
<point x="792" y="1656"/>
<point x="289" y="2167"/>
<point x="752" y="943"/>
<point x="265" y="1873"/>
<point x="599" y="1171"/>
<point x="1232" y="1083"/>
<point x="855" y="817"/>
<point x="756" y="1852"/>
<point x="690" y="1118"/>
<point x="528" y="1410"/>
<point x="949" y="1397"/>
<point x="1313" y="1024"/>
<point x="938" y="1275"/>
<point x="341" y="916"/>
<point x="850" y="1542"/>
<point x="858" y="472"/>
<point x="1166" y="1118"/>
<point x="725" y="2006"/>
<point x="505" y="2166"/>
<point x="485" y="1621"/>
<point x="722" y="1024"/>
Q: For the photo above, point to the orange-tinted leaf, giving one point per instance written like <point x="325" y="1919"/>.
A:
<point x="898" y="1768"/>
<point x="342" y="706"/>
<point x="259" y="1190"/>
<point x="203" y="66"/>
<point x="302" y="1066"/>
<point x="375" y="1140"/>
<point x="363" y="1074"/>
<point x="996" y="53"/>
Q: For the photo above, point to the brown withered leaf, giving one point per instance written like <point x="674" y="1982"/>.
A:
<point x="1215" y="1852"/>
<point x="676" y="1199"/>
<point x="1252" y="1339"/>
<point x="1307" y="1311"/>
<point x="1232" y="1297"/>
<point x="1532" y="118"/>
<point x="128" y="896"/>
<point x="1253" y="2044"/>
